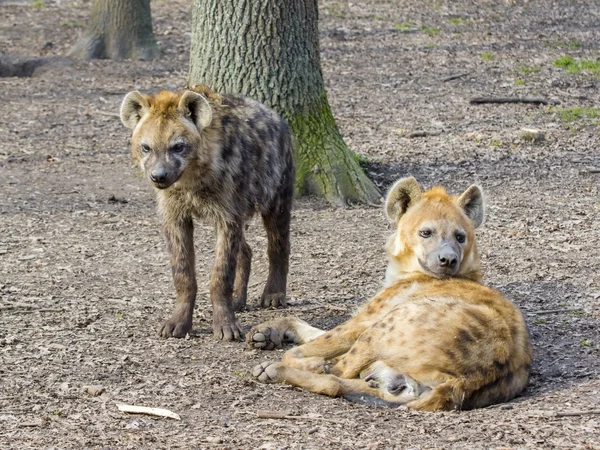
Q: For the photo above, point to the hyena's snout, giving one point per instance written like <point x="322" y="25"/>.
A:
<point x="159" y="176"/>
<point x="162" y="175"/>
<point x="447" y="258"/>
<point x="444" y="259"/>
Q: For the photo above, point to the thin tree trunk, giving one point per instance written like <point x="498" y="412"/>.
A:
<point x="118" y="29"/>
<point x="269" y="50"/>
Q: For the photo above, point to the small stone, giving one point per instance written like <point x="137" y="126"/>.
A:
<point x="532" y="135"/>
<point x="213" y="440"/>
<point x="94" y="390"/>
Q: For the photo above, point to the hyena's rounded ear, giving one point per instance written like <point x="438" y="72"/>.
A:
<point x="133" y="107"/>
<point x="196" y="107"/>
<point x="473" y="204"/>
<point x="403" y="194"/>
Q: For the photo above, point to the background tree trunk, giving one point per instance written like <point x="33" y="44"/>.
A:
<point x="118" y="29"/>
<point x="269" y="50"/>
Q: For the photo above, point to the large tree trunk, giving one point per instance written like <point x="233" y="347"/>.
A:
<point x="269" y="50"/>
<point x="118" y="29"/>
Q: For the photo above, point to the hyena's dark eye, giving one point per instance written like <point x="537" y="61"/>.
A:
<point x="460" y="237"/>
<point x="145" y="148"/>
<point x="178" y="148"/>
<point x="425" y="233"/>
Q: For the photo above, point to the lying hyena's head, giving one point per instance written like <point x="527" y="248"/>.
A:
<point x="166" y="132"/>
<point x="435" y="231"/>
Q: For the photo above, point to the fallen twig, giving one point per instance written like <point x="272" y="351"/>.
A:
<point x="422" y="133"/>
<point x="552" y="311"/>
<point x="531" y="100"/>
<point x="575" y="413"/>
<point x="160" y="412"/>
<point x="455" y="77"/>
<point x="284" y="415"/>
<point x="590" y="170"/>
<point x="105" y="113"/>
<point x="26" y="308"/>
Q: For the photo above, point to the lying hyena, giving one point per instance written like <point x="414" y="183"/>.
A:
<point x="220" y="158"/>
<point x="434" y="338"/>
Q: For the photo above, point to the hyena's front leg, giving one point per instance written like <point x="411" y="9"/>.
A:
<point x="180" y="245"/>
<point x="225" y="326"/>
<point x="272" y="334"/>
<point x="277" y="224"/>
<point x="313" y="356"/>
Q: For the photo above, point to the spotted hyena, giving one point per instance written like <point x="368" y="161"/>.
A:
<point x="434" y="338"/>
<point x="218" y="158"/>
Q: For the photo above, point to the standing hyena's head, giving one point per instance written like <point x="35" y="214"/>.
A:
<point x="166" y="132"/>
<point x="435" y="231"/>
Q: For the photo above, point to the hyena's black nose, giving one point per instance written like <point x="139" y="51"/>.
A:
<point x="447" y="258"/>
<point x="159" y="176"/>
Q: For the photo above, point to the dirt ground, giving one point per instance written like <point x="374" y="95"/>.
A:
<point x="84" y="277"/>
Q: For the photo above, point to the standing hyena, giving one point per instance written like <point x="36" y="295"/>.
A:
<point x="219" y="158"/>
<point x="434" y="338"/>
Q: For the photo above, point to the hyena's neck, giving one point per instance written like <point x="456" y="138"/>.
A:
<point x="398" y="271"/>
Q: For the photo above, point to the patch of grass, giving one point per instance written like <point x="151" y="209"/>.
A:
<point x="579" y="113"/>
<point x="576" y="312"/>
<point x="529" y="70"/>
<point x="376" y="17"/>
<point x="38" y="4"/>
<point x="573" y="65"/>
<point x="336" y="9"/>
<point x="495" y="143"/>
<point x="460" y="21"/>
<point x="585" y="343"/>
<point x="540" y="321"/>
<point x="71" y="24"/>
<point x="572" y="44"/>
<point x="487" y="56"/>
<point x="404" y="27"/>
<point x="519" y="82"/>
<point x="431" y="31"/>
<point x="119" y="315"/>
<point x="564" y="62"/>
<point x="360" y="160"/>
<point x="239" y="373"/>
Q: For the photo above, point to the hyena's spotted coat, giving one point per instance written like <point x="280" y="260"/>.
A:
<point x="219" y="158"/>
<point x="434" y="338"/>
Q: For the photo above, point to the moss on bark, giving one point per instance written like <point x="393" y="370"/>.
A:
<point x="269" y="50"/>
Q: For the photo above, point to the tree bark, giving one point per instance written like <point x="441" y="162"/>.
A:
<point x="118" y="29"/>
<point x="269" y="50"/>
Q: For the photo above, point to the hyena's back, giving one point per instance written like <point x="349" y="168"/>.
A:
<point x="257" y="149"/>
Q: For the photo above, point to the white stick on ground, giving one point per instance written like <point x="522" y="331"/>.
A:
<point x="160" y="412"/>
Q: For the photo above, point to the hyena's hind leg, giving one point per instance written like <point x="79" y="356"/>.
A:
<point x="242" y="275"/>
<point x="317" y="383"/>
<point x="277" y="225"/>
<point x="272" y="334"/>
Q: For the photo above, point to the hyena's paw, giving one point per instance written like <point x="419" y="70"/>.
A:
<point x="264" y="338"/>
<point x="227" y="330"/>
<point x="267" y="372"/>
<point x="175" y="327"/>
<point x="276" y="300"/>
